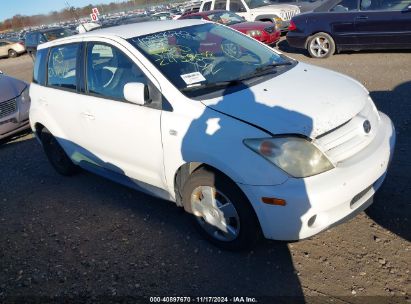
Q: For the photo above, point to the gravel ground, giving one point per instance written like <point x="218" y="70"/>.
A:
<point x="85" y="236"/>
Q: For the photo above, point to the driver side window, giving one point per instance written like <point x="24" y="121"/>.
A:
<point x="345" y="6"/>
<point x="237" y="6"/>
<point x="109" y="70"/>
<point x="220" y="5"/>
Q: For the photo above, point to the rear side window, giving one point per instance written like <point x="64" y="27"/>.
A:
<point x="345" y="6"/>
<point x="62" y="66"/>
<point x="220" y="4"/>
<point x="207" y="6"/>
<point x="39" y="70"/>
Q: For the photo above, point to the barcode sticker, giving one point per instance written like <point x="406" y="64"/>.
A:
<point x="192" y="78"/>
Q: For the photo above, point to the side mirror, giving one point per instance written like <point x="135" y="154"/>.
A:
<point x="1" y="72"/>
<point x="137" y="93"/>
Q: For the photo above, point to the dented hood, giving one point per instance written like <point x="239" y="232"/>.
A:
<point x="10" y="87"/>
<point x="305" y="100"/>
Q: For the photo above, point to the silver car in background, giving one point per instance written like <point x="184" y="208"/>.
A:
<point x="14" y="105"/>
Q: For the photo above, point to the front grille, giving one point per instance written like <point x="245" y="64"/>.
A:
<point x="349" y="138"/>
<point x="8" y="107"/>
<point x="270" y="29"/>
<point x="286" y="16"/>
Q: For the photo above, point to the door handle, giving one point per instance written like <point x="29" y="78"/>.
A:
<point x="43" y="102"/>
<point x="362" y="18"/>
<point x="88" y="115"/>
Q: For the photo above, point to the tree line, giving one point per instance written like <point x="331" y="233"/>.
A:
<point x="20" y="21"/>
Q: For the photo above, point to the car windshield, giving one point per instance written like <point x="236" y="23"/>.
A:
<point x="56" y="34"/>
<point x="226" y="18"/>
<point x="198" y="59"/>
<point x="258" y="3"/>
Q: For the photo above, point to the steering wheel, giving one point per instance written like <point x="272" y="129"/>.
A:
<point x="231" y="49"/>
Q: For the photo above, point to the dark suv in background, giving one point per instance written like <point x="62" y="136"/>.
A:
<point x="33" y="39"/>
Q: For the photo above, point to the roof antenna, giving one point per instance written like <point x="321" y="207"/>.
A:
<point x="71" y="9"/>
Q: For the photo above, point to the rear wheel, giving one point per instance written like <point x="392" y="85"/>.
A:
<point x="221" y="212"/>
<point x="321" y="45"/>
<point x="56" y="155"/>
<point x="12" y="54"/>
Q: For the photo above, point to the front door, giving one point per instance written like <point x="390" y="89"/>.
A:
<point x="342" y="22"/>
<point x="122" y="137"/>
<point x="384" y="24"/>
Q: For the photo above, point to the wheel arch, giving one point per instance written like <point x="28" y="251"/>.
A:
<point x="186" y="170"/>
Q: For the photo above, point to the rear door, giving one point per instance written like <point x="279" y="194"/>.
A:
<point x="384" y="24"/>
<point x="59" y="101"/>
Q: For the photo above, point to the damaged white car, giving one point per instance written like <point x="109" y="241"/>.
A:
<point x="247" y="140"/>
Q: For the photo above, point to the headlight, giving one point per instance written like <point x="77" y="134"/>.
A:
<point x="296" y="156"/>
<point x="25" y="96"/>
<point x="254" y="33"/>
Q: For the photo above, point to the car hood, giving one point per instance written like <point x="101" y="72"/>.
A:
<point x="246" y="26"/>
<point x="10" y="87"/>
<point x="274" y="8"/>
<point x="305" y="100"/>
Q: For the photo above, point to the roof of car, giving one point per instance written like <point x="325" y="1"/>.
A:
<point x="129" y="30"/>
<point x="206" y="13"/>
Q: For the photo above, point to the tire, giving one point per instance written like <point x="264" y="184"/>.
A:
<point x="243" y="227"/>
<point x="56" y="155"/>
<point x="321" y="45"/>
<point x="12" y="54"/>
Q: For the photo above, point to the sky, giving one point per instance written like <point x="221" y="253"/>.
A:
<point x="31" y="7"/>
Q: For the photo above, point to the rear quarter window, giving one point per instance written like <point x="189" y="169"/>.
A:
<point x="39" y="70"/>
<point x="62" y="65"/>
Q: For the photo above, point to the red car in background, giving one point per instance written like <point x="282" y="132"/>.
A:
<point x="265" y="32"/>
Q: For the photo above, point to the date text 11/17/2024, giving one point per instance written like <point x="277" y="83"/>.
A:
<point x="203" y="300"/>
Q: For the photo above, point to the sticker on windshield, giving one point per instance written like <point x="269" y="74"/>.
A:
<point x="191" y="78"/>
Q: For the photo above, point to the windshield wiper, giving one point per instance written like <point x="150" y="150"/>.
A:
<point x="211" y="85"/>
<point x="265" y="69"/>
<point x="257" y="72"/>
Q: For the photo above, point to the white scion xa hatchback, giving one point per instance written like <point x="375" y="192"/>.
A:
<point x="247" y="140"/>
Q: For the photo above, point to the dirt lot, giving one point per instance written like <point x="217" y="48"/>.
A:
<point x="86" y="236"/>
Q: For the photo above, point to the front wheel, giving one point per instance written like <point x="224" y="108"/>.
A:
<point x="321" y="45"/>
<point x="221" y="212"/>
<point x="12" y="54"/>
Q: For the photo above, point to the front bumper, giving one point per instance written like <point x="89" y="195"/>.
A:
<point x="12" y="126"/>
<point x="316" y="203"/>
<point x="16" y="121"/>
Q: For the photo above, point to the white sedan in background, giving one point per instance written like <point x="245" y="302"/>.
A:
<point x="11" y="49"/>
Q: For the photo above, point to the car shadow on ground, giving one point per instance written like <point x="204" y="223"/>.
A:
<point x="392" y="205"/>
<point x="86" y="236"/>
